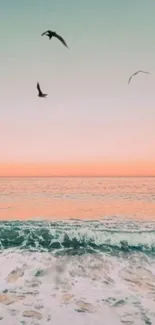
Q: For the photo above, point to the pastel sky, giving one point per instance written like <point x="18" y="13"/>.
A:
<point x="91" y="115"/>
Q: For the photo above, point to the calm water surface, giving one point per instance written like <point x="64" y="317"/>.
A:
<point x="91" y="198"/>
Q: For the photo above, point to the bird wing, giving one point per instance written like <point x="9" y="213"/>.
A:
<point x="143" y="71"/>
<point x="130" y="79"/>
<point x="38" y="87"/>
<point x="140" y="71"/>
<point x="61" y="39"/>
<point x="47" y="31"/>
<point x="134" y="74"/>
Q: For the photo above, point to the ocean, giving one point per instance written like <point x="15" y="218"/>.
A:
<point x="77" y="250"/>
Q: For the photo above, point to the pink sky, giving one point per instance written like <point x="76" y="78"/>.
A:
<point x="92" y="122"/>
<point x="123" y="168"/>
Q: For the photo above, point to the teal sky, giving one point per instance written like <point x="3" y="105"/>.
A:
<point x="90" y="113"/>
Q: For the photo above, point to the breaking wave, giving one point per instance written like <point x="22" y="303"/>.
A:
<point x="78" y="237"/>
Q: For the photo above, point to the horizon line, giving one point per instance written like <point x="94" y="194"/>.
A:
<point x="77" y="176"/>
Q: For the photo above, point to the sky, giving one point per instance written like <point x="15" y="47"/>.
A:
<point x="92" y="122"/>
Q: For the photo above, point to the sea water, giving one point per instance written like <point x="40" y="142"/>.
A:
<point x="77" y="250"/>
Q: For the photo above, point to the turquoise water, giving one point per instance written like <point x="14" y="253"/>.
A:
<point x="110" y="236"/>
<point x="89" y="268"/>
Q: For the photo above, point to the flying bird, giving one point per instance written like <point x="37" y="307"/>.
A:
<point x="40" y="93"/>
<point x="134" y="74"/>
<point x="51" y="34"/>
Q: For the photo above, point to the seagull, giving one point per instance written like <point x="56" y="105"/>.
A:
<point x="51" y="34"/>
<point x="40" y="92"/>
<point x="134" y="74"/>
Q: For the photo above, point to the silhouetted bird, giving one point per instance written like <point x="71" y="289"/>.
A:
<point x="40" y="94"/>
<point x="134" y="74"/>
<point x="51" y="34"/>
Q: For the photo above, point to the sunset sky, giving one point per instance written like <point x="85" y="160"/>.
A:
<point x="92" y="122"/>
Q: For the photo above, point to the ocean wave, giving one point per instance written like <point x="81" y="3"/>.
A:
<point x="77" y="237"/>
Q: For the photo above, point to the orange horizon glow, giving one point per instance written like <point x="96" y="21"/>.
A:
<point x="85" y="169"/>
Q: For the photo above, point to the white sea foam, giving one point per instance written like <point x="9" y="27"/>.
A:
<point x="90" y="289"/>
